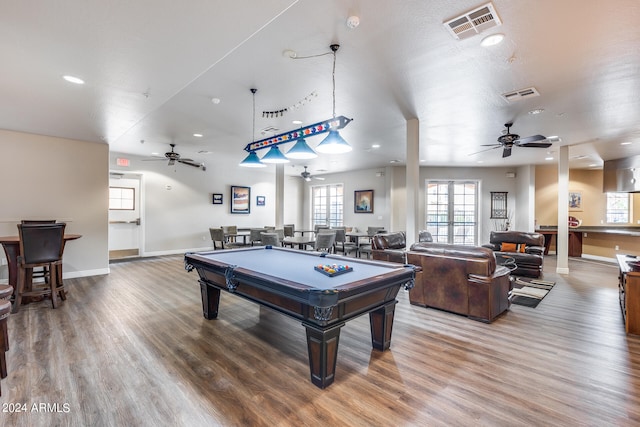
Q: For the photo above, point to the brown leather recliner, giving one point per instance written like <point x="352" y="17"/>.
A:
<point x="461" y="279"/>
<point x="523" y="248"/>
<point x="389" y="247"/>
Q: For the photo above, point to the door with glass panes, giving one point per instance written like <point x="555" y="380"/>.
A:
<point x="452" y="211"/>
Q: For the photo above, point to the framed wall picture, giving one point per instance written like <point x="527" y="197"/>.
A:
<point x="575" y="201"/>
<point x="260" y="201"/>
<point x="240" y="200"/>
<point x="217" y="199"/>
<point x="363" y="201"/>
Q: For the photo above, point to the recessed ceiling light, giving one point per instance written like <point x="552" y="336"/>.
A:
<point x="197" y="135"/>
<point x="593" y="165"/>
<point x="155" y="154"/>
<point x="492" y="40"/>
<point x="480" y="161"/>
<point x="394" y="161"/>
<point x="548" y="158"/>
<point x="215" y="100"/>
<point x="297" y="122"/>
<point x="625" y="143"/>
<point x="536" y="111"/>
<point x="375" y="146"/>
<point x="73" y="79"/>
<point x="553" y="138"/>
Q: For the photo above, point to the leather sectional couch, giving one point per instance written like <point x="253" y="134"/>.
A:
<point x="461" y="279"/>
<point x="525" y="249"/>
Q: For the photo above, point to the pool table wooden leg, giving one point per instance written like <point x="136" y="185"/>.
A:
<point x="322" y="345"/>
<point x="210" y="300"/>
<point x="381" y="325"/>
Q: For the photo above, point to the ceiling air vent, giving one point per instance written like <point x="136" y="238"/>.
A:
<point x="519" y="94"/>
<point x="473" y="22"/>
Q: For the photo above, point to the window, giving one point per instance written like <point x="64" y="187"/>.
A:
<point x="327" y="205"/>
<point x="618" y="208"/>
<point x="121" y="198"/>
<point x="452" y="208"/>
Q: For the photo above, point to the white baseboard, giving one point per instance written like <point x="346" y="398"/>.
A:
<point x="599" y="258"/>
<point x="85" y="273"/>
<point x="176" y="251"/>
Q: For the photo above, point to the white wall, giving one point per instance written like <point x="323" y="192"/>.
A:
<point x="367" y="179"/>
<point x="178" y="209"/>
<point x="54" y="178"/>
<point x="390" y="194"/>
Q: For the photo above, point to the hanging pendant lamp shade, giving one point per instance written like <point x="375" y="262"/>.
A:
<point x="274" y="156"/>
<point x="252" y="161"/>
<point x="333" y="144"/>
<point x="301" y="151"/>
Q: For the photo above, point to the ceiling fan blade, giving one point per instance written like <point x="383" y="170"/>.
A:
<point x="536" y="144"/>
<point x="528" y="139"/>
<point x="190" y="163"/>
<point x="493" y="147"/>
<point x="506" y="152"/>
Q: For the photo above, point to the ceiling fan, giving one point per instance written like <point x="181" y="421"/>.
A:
<point x="508" y="140"/>
<point x="306" y="175"/>
<point x="175" y="157"/>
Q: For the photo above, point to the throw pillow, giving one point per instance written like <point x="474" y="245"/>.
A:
<point x="513" y="247"/>
<point x="508" y="247"/>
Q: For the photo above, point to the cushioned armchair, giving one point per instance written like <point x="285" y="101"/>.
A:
<point x="389" y="247"/>
<point x="525" y="249"/>
<point x="461" y="279"/>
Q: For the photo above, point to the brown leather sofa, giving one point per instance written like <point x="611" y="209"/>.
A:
<point x="462" y="279"/>
<point x="389" y="247"/>
<point x="525" y="249"/>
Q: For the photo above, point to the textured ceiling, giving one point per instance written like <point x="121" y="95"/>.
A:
<point x="152" y="68"/>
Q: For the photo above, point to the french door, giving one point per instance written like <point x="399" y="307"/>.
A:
<point x="452" y="211"/>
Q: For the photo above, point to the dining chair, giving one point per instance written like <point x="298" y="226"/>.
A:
<point x="217" y="236"/>
<point x="365" y="247"/>
<point x="270" y="239"/>
<point x="254" y="236"/>
<point x="325" y="241"/>
<point x="230" y="229"/>
<point x="288" y="230"/>
<point x="342" y="245"/>
<point x="41" y="245"/>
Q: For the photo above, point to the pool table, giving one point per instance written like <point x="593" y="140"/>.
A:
<point x="285" y="280"/>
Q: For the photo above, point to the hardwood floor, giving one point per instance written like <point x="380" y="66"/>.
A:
<point x="132" y="348"/>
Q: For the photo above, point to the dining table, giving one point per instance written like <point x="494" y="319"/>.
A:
<point x="301" y="241"/>
<point x="11" y="245"/>
<point x="233" y="237"/>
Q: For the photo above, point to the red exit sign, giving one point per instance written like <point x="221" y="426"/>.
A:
<point x="122" y="162"/>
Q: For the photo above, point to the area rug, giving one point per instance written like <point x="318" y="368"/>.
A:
<point x="529" y="292"/>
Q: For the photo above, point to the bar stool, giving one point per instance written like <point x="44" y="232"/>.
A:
<point x="5" y="309"/>
<point x="41" y="245"/>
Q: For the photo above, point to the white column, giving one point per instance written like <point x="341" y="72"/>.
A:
<point x="279" y="195"/>
<point x="562" y="239"/>
<point x="413" y="178"/>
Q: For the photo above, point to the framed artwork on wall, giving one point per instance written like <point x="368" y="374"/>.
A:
<point x="260" y="201"/>
<point x="217" y="199"/>
<point x="575" y="201"/>
<point x="363" y="201"/>
<point x="240" y="200"/>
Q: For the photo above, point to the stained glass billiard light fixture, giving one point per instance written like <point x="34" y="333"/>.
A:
<point x="333" y="143"/>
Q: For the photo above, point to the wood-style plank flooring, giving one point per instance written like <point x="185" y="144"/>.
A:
<point x="132" y="349"/>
